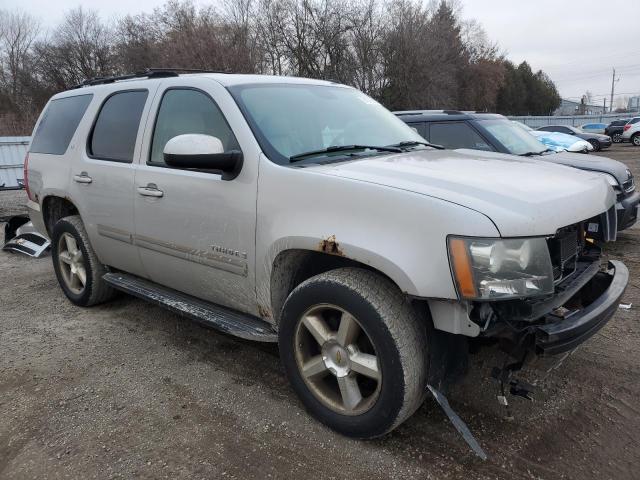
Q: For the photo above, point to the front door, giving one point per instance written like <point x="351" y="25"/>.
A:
<point x="196" y="232"/>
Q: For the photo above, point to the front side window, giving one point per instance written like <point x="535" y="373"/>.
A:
<point x="456" y="135"/>
<point x="184" y="111"/>
<point x="58" y="124"/>
<point x="116" y="128"/>
<point x="293" y="119"/>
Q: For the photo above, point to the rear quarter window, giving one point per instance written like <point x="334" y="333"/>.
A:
<point x="116" y="127"/>
<point x="58" y="124"/>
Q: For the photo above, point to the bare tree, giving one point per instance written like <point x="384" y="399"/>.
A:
<point x="18" y="31"/>
<point x="79" y="48"/>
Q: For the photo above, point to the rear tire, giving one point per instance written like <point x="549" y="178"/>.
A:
<point x="389" y="386"/>
<point x="635" y="139"/>
<point x="595" y="144"/>
<point x="77" y="267"/>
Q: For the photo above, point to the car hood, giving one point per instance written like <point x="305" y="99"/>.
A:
<point x="590" y="162"/>
<point x="522" y="197"/>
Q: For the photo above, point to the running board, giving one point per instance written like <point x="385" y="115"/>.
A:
<point x="221" y="318"/>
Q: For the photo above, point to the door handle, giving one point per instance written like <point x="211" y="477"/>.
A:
<point x="151" y="190"/>
<point x="82" y="178"/>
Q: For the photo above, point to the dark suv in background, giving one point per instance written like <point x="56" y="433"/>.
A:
<point x="615" y="128"/>
<point x="496" y="133"/>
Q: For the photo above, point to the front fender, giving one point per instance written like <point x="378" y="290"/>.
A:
<point x="399" y="233"/>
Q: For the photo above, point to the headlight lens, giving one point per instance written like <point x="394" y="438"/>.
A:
<point x="492" y="269"/>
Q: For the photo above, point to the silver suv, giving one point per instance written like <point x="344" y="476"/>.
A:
<point x="631" y="131"/>
<point x="303" y="212"/>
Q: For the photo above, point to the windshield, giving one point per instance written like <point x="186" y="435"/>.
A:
<point x="514" y="138"/>
<point x="292" y="119"/>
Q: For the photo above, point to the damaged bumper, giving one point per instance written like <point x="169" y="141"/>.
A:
<point x="603" y="293"/>
<point x="581" y="306"/>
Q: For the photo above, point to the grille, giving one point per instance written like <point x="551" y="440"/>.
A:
<point x="564" y="248"/>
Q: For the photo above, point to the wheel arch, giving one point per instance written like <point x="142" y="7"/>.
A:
<point x="292" y="266"/>
<point x="54" y="208"/>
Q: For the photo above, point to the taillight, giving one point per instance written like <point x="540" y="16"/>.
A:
<point x="26" y="176"/>
<point x="626" y="127"/>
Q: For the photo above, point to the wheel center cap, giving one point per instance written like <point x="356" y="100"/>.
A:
<point x="336" y="359"/>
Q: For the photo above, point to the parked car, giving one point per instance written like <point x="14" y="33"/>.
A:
<point x="303" y="212"/>
<point x="631" y="131"/>
<point x="558" y="142"/>
<point x="615" y="129"/>
<point x="492" y="132"/>
<point x="598" y="141"/>
<point x="594" y="128"/>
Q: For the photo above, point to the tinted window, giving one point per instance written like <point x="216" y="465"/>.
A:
<point x="114" y="134"/>
<point x="188" y="111"/>
<point x="58" y="124"/>
<point x="456" y="135"/>
<point x="634" y="120"/>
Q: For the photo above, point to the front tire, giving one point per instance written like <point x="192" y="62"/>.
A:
<point x="635" y="139"/>
<point x="77" y="267"/>
<point x="616" y="138"/>
<point x="355" y="351"/>
<point x="595" y="144"/>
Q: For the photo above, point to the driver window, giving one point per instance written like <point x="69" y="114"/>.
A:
<point x="188" y="111"/>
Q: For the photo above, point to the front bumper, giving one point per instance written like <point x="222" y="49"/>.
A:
<point x="605" y="289"/>
<point x="627" y="210"/>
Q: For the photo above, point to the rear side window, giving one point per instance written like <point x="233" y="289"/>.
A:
<point x="116" y="128"/>
<point x="456" y="135"/>
<point x="58" y="124"/>
<point x="634" y="120"/>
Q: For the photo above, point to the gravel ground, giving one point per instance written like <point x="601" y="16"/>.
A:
<point x="129" y="390"/>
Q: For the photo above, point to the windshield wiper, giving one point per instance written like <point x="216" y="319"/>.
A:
<point x="531" y="154"/>
<point x="343" y="148"/>
<point x="413" y="143"/>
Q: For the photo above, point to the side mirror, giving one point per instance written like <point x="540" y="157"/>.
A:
<point x="202" y="152"/>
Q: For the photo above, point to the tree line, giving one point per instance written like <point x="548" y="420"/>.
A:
<point x="405" y="54"/>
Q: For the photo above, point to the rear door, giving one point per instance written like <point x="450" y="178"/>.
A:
<point x="195" y="231"/>
<point x="103" y="174"/>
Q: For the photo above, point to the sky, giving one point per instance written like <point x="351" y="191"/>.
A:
<point x="577" y="42"/>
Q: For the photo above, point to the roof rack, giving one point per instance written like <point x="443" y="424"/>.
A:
<point x="429" y="112"/>
<point x="147" y="73"/>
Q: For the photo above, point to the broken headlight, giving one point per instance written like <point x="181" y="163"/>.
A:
<point x="496" y="269"/>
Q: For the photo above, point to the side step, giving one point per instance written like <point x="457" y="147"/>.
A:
<point x="221" y="318"/>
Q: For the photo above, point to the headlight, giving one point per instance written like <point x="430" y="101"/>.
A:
<point x="611" y="179"/>
<point x="492" y="269"/>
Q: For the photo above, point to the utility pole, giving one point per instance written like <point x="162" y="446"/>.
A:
<point x="613" y="84"/>
<point x="604" y="105"/>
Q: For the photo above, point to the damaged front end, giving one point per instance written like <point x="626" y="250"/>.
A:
<point x="586" y="293"/>
<point x="22" y="237"/>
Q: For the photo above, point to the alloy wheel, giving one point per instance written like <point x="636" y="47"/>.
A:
<point x="72" y="265"/>
<point x="337" y="360"/>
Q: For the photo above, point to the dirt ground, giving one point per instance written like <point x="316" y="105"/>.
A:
<point x="128" y="390"/>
